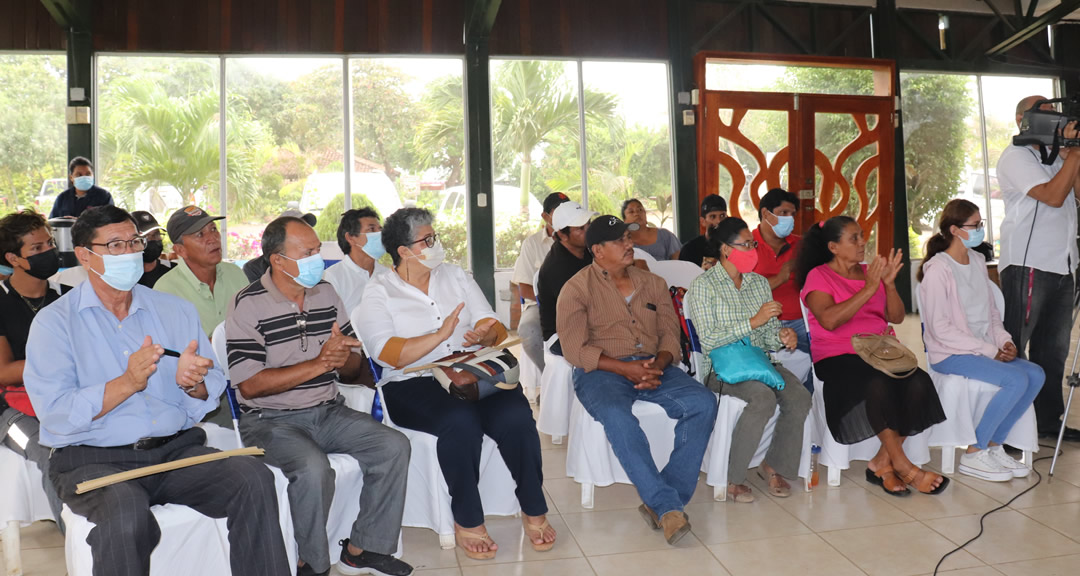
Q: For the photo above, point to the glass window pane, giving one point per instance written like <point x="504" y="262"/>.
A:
<point x="33" y="166"/>
<point x="534" y="130"/>
<point x="158" y="132"/>
<point x="1000" y="96"/>
<point x="775" y="78"/>
<point x="943" y="156"/>
<point x="285" y="142"/>
<point x="409" y="142"/>
<point x="627" y="140"/>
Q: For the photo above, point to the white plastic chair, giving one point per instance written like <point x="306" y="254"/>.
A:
<point x="676" y="272"/>
<point x="22" y="502"/>
<point x="557" y="384"/>
<point x="640" y="254"/>
<point x="964" y="401"/>
<point x="530" y="377"/>
<point x="836" y="456"/>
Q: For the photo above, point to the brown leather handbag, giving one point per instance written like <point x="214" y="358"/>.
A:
<point x="885" y="354"/>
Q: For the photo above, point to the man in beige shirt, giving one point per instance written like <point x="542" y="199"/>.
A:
<point x="619" y="329"/>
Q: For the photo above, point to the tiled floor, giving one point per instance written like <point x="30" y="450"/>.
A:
<point x="854" y="529"/>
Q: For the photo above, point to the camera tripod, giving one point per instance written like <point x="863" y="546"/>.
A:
<point x="1073" y="381"/>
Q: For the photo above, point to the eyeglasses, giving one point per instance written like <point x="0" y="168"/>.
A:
<point x="751" y="245"/>
<point x="301" y="325"/>
<point x="977" y="226"/>
<point x="118" y="247"/>
<point x="428" y="241"/>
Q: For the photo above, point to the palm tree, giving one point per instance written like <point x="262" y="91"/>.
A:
<point x="531" y="103"/>
<point x="156" y="138"/>
<point x="440" y="139"/>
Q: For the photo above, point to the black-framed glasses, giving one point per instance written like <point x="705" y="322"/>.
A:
<point x="118" y="247"/>
<point x="750" y="245"/>
<point x="977" y="226"/>
<point x="428" y="240"/>
<point x="301" y="325"/>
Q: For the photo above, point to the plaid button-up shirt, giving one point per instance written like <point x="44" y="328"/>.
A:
<point x="721" y="312"/>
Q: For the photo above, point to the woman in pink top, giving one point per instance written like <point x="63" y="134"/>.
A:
<point x="844" y="297"/>
<point x="964" y="335"/>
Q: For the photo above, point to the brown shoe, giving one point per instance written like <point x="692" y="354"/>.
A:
<point x="675" y="525"/>
<point x="649" y="516"/>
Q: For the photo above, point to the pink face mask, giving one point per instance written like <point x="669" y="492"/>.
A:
<point x="744" y="262"/>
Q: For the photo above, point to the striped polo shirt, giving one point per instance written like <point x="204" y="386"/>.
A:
<point x="265" y="329"/>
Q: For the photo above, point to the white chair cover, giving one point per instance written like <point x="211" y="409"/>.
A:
<point x="558" y="393"/>
<point x="640" y="254"/>
<point x="22" y="498"/>
<point x="529" y="376"/>
<point x="676" y="272"/>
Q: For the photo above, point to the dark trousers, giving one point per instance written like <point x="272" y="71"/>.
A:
<point x="238" y="488"/>
<point x="1042" y="337"/>
<point x="422" y="404"/>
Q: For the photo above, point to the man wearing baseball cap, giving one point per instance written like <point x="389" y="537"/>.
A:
<point x="619" y="330"/>
<point x="713" y="211"/>
<point x="154" y="267"/>
<point x="566" y="258"/>
<point x="534" y="249"/>
<point x="201" y="277"/>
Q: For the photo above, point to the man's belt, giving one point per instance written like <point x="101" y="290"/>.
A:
<point x="151" y="443"/>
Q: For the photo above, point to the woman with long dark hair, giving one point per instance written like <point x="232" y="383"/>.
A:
<point x="964" y="335"/>
<point x="660" y="243"/>
<point x="844" y="297"/>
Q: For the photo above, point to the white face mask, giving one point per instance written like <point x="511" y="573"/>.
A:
<point x="433" y="256"/>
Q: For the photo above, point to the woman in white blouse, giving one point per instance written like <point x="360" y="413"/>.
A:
<point x="422" y="312"/>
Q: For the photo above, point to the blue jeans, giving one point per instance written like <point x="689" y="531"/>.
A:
<point x="608" y="398"/>
<point x="1019" y="382"/>
<point x="804" y="345"/>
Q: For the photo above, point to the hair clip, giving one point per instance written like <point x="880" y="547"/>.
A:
<point x="821" y="224"/>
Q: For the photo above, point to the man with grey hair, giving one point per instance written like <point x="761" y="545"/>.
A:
<point x="289" y="343"/>
<point x="1038" y="259"/>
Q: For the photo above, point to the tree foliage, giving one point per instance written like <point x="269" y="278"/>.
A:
<point x="33" y="143"/>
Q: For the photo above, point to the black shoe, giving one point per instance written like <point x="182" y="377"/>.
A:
<point x="370" y="563"/>
<point x="306" y="570"/>
<point x="1071" y="434"/>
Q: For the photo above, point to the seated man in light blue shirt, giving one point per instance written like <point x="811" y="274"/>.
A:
<point x="118" y="374"/>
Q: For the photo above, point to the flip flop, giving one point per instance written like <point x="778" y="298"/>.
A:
<point x="463" y="536"/>
<point x="924" y="484"/>
<point x="876" y="478"/>
<point x="742" y="497"/>
<point x="535" y="532"/>
<point x="778" y="491"/>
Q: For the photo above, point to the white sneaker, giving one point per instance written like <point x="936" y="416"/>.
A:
<point x="984" y="466"/>
<point x="1018" y="469"/>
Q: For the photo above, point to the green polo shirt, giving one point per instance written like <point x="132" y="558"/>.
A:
<point x="212" y="306"/>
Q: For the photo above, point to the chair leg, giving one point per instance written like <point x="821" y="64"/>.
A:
<point x="1026" y="458"/>
<point x="719" y="493"/>
<point x="948" y="459"/>
<point x="587" y="492"/>
<point x="806" y="483"/>
<point x="447" y="541"/>
<point x="13" y="549"/>
<point x="834" y="475"/>
<point x="557" y="440"/>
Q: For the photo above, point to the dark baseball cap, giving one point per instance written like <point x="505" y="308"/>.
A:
<point x="606" y="229"/>
<point x="188" y="220"/>
<point x="553" y="200"/>
<point x="712" y="203"/>
<point x="145" y="222"/>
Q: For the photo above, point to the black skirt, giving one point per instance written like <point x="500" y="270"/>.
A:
<point x="861" y="402"/>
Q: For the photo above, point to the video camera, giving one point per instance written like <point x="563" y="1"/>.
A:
<point x="1045" y="128"/>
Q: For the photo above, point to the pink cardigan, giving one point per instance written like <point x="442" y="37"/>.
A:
<point x="946" y="329"/>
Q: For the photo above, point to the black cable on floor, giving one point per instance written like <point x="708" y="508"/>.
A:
<point x="1005" y="505"/>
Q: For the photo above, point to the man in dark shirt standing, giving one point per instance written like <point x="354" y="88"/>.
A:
<point x="153" y="266"/>
<point x="713" y="211"/>
<point x="83" y="193"/>
<point x="567" y="256"/>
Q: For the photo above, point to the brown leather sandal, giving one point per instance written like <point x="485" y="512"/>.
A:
<point x="462" y="536"/>
<point x="536" y="532"/>
<point x="925" y="481"/>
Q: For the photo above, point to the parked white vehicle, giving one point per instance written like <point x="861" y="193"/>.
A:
<point x="507" y="202"/>
<point x="320" y="189"/>
<point x="50" y="189"/>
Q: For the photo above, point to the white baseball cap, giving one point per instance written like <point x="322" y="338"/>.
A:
<point x="570" y="214"/>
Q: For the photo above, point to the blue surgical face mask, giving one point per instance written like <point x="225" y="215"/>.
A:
<point x="311" y="270"/>
<point x="784" y="226"/>
<point x="975" y="237"/>
<point x="374" y="246"/>
<point x="6" y="270"/>
<point x="122" y="271"/>
<point x="83" y="182"/>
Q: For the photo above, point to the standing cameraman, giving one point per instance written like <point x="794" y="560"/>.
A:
<point x="1038" y="258"/>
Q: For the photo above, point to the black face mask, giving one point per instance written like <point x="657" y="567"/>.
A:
<point x="44" y="264"/>
<point x="152" y="251"/>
